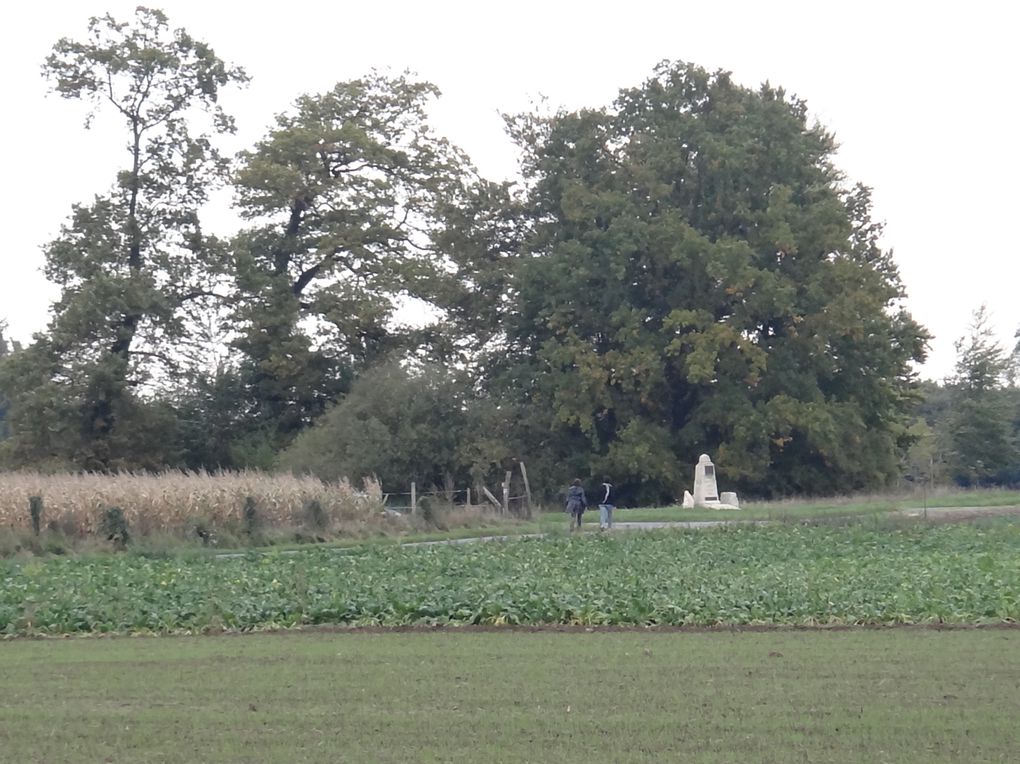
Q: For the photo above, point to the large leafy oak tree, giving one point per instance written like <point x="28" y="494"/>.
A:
<point x="700" y="277"/>
<point x="344" y="197"/>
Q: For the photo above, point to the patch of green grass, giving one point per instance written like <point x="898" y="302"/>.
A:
<point x="791" y="510"/>
<point x="776" y="512"/>
<point x="986" y="497"/>
<point x="822" y="508"/>
<point x="508" y="528"/>
<point x="453" y="523"/>
<point x="896" y="696"/>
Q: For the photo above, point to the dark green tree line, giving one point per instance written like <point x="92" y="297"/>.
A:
<point x="968" y="427"/>
<point x="983" y="411"/>
<point x="6" y="348"/>
<point x="684" y="272"/>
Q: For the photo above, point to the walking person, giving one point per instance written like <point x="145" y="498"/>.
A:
<point x="607" y="503"/>
<point x="577" y="502"/>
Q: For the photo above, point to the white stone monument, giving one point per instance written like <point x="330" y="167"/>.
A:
<point x="706" y="491"/>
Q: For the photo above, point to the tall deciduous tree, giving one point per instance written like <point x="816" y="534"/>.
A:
<point x="130" y="264"/>
<point x="5" y="350"/>
<point x="984" y="448"/>
<point x="484" y="236"/>
<point x="343" y="195"/>
<point x="702" y="278"/>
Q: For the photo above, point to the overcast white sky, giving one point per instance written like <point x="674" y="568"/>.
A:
<point x="921" y="96"/>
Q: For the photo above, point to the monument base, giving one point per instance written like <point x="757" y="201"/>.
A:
<point x="706" y="494"/>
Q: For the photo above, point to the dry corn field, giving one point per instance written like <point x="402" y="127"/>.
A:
<point x="175" y="502"/>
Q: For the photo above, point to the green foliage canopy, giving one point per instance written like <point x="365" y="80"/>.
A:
<point x="395" y="425"/>
<point x="701" y="278"/>
<point x="684" y="272"/>
<point x="131" y="264"/>
<point x="343" y="196"/>
<point x="983" y="409"/>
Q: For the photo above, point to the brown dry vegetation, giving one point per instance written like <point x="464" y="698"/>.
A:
<point x="171" y="509"/>
<point x="173" y="502"/>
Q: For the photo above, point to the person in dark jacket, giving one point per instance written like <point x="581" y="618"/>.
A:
<point x="607" y="503"/>
<point x="577" y="502"/>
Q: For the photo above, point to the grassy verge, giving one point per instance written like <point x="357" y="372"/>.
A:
<point x="447" y="523"/>
<point x="460" y="523"/>
<point x="839" y="506"/>
<point x="496" y="527"/>
<point x="893" y="696"/>
<point x="791" y="510"/>
<point x="776" y="512"/>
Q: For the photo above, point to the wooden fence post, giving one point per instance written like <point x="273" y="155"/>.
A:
<point x="414" y="500"/>
<point x="527" y="487"/>
<point x="490" y="497"/>
<point x="468" y="500"/>
<point x="506" y="493"/>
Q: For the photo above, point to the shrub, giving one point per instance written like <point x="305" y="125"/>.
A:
<point x="315" y="516"/>
<point x="431" y="515"/>
<point x="251" y="516"/>
<point x="113" y="525"/>
<point x="35" y="509"/>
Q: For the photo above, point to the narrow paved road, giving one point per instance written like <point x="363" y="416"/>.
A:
<point x="695" y="524"/>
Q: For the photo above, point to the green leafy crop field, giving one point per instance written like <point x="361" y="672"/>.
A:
<point x="859" y="574"/>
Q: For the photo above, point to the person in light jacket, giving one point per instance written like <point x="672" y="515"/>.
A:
<point x="577" y="502"/>
<point x="607" y="503"/>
